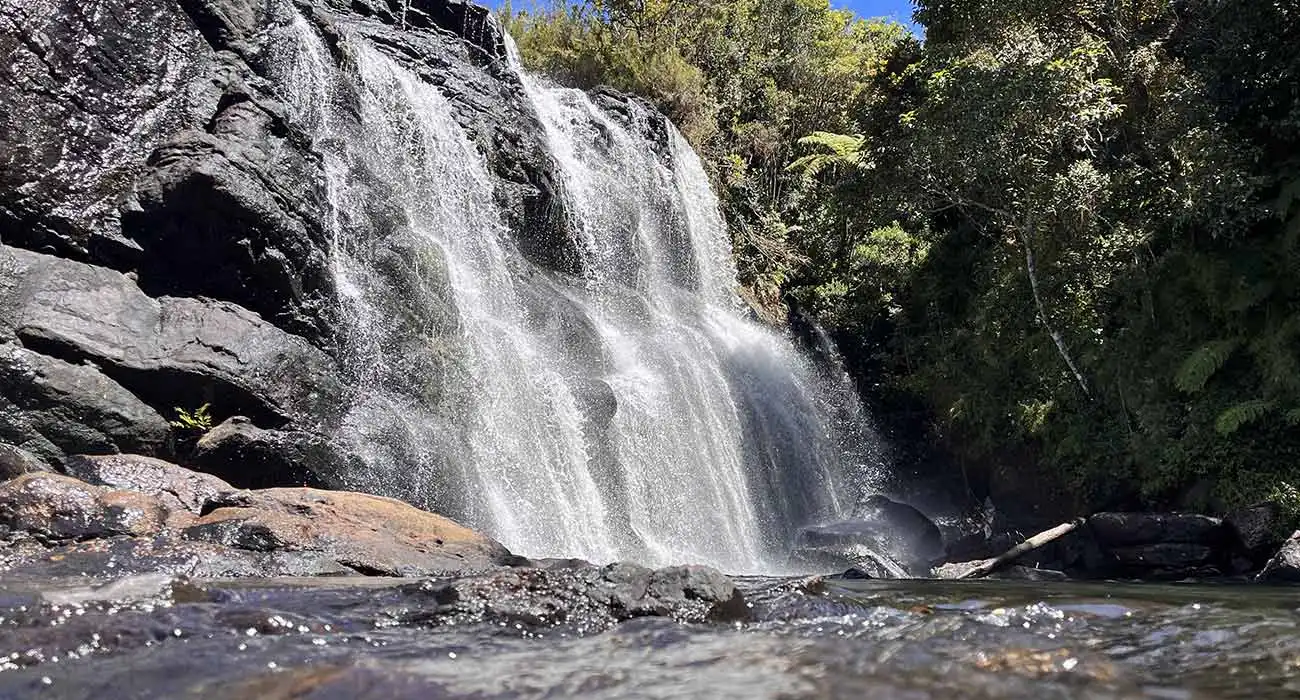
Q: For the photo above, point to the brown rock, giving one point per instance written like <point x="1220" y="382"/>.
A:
<point x="370" y="534"/>
<point x="59" y="508"/>
<point x="176" y="487"/>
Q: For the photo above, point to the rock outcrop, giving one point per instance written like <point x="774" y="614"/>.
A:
<point x="885" y="539"/>
<point x="368" y="534"/>
<point x="156" y="516"/>
<point x="167" y="234"/>
<point x="1284" y="567"/>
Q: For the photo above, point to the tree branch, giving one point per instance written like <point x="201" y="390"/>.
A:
<point x="1031" y="266"/>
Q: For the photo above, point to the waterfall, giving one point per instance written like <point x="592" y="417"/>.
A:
<point x="633" y="412"/>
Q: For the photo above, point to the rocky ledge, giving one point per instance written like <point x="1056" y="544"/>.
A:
<point x="887" y="539"/>
<point x="117" y="516"/>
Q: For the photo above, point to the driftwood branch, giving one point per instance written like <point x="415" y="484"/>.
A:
<point x="988" y="566"/>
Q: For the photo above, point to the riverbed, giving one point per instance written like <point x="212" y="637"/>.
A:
<point x="156" y="636"/>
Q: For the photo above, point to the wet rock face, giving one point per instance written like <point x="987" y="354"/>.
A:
<point x="592" y="598"/>
<point x="165" y="225"/>
<point x="884" y="537"/>
<point x="90" y="88"/>
<point x="54" y="408"/>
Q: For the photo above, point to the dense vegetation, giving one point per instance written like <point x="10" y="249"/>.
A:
<point x="1071" y="230"/>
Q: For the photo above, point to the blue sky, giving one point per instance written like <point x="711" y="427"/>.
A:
<point x="900" y="10"/>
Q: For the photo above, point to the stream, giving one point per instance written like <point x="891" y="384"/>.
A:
<point x="154" y="636"/>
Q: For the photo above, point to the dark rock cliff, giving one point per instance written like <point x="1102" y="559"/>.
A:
<point x="164" y="233"/>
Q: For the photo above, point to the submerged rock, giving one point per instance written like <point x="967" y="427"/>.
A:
<point x="591" y="599"/>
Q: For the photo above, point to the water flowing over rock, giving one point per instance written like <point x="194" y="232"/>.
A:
<point x="401" y="265"/>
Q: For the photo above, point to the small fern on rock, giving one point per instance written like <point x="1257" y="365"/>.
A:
<point x="198" y="421"/>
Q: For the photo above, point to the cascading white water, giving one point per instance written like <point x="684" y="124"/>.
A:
<point x="681" y="432"/>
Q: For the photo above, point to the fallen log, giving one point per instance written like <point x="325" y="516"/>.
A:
<point x="988" y="566"/>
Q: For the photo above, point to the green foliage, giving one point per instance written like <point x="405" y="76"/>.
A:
<point x="835" y="151"/>
<point x="1242" y="414"/>
<point x="1202" y="365"/>
<point x="1287" y="498"/>
<point x="198" y="421"/>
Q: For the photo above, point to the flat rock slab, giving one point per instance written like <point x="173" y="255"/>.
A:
<point x="147" y="515"/>
<point x="369" y="534"/>
<point x="1131" y="529"/>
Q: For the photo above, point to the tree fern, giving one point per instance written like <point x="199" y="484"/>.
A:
<point x="836" y="151"/>
<point x="1241" y="415"/>
<point x="1202" y="364"/>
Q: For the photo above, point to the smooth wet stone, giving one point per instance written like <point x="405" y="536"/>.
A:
<point x="369" y="534"/>
<point x="176" y="487"/>
<point x="55" y="508"/>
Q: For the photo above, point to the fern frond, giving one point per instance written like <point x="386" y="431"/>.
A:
<point x="1202" y="364"/>
<point x="839" y="144"/>
<point x="1241" y="415"/>
<point x="835" y="150"/>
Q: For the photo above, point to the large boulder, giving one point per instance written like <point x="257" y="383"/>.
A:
<point x="169" y="352"/>
<point x="1131" y="529"/>
<point x="1159" y="545"/>
<point x="369" y="534"/>
<point x="52" y="408"/>
<point x="1284" y="567"/>
<point x="253" y="457"/>
<point x="885" y="539"/>
<point x="177" y="488"/>
<point x="1259" y="530"/>
<point x="56" y="508"/>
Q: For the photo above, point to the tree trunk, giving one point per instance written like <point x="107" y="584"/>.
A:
<point x="988" y="566"/>
<point x="1031" y="266"/>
